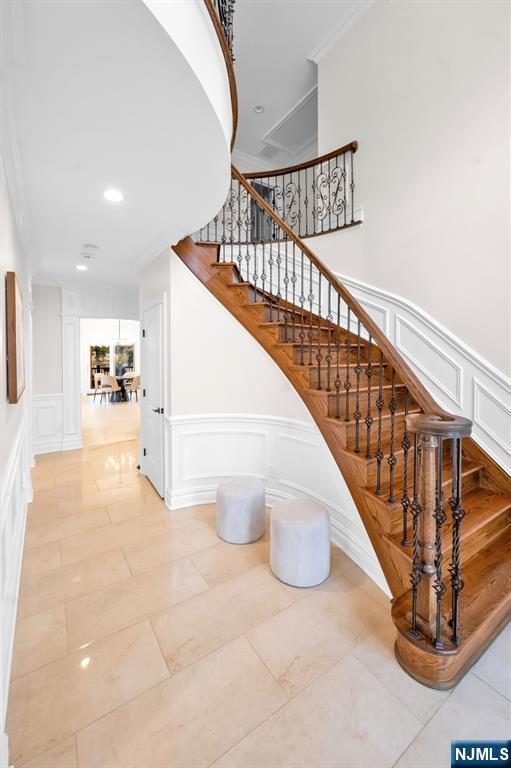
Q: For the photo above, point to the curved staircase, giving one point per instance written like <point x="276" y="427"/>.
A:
<point x="436" y="507"/>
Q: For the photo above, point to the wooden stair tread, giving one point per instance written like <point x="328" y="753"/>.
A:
<point x="484" y="603"/>
<point x="481" y="506"/>
<point x="468" y="468"/>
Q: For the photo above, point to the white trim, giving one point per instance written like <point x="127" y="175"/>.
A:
<point x="155" y="248"/>
<point x="15" y="492"/>
<point x="338" y="33"/>
<point x="267" y="138"/>
<point x="252" y="159"/>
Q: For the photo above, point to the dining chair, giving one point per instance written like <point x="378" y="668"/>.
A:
<point x="133" y="386"/>
<point x="109" y="386"/>
<point x="97" y="383"/>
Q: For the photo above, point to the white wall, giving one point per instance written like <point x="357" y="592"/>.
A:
<point x="424" y="87"/>
<point x="15" y="457"/>
<point x="47" y="339"/>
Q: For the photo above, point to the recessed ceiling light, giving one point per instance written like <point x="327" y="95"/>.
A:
<point x="113" y="195"/>
<point x="81" y="267"/>
<point x="258" y="109"/>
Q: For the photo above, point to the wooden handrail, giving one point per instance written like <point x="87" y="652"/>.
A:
<point x="228" y="63"/>
<point x="351" y="147"/>
<point x="420" y="393"/>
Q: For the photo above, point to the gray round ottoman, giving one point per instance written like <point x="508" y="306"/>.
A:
<point x="300" y="542"/>
<point x="240" y="510"/>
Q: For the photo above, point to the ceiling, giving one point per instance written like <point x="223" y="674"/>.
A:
<point x="97" y="95"/>
<point x="277" y="44"/>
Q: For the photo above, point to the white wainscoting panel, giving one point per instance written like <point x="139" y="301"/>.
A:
<point x="47" y="423"/>
<point x="460" y="379"/>
<point x="15" y="493"/>
<point x="71" y="427"/>
<point x="290" y="456"/>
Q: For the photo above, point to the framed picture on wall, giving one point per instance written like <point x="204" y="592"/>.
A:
<point x="15" y="338"/>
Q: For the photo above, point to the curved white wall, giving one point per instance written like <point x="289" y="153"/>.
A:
<point x="187" y="22"/>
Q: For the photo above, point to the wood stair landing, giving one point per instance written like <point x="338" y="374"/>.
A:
<point x="485" y="602"/>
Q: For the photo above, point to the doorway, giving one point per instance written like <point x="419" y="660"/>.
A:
<point x="153" y="391"/>
<point x="109" y="381"/>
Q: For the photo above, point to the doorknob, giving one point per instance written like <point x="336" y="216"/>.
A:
<point x="158" y="410"/>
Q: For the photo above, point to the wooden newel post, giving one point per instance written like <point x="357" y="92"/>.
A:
<point x="429" y="506"/>
<point x="426" y="600"/>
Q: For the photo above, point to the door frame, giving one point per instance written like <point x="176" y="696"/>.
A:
<point x="157" y="298"/>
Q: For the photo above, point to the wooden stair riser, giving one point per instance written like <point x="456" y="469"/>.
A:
<point x="288" y="332"/>
<point x="321" y="375"/>
<point x="469" y="483"/>
<point x="338" y="404"/>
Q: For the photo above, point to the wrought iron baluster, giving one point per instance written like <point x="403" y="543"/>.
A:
<point x="337" y="355"/>
<point x="306" y="201"/>
<point x="302" y="305"/>
<point x="416" y="509"/>
<point x="255" y="276"/>
<point x="379" y="405"/>
<point x="391" y="459"/>
<point x="286" y="287"/>
<point x="352" y="187"/>
<point x="311" y="299"/>
<point x="357" y="414"/>
<point x="344" y="202"/>
<point x="329" y="348"/>
<point x="263" y="268"/>
<point x="319" y="356"/>
<point x="347" y="380"/>
<point x="440" y="518"/>
<point x="369" y="417"/>
<point x="270" y="270"/>
<point x="458" y="513"/>
<point x="279" y="294"/>
<point x="293" y="283"/>
<point x="405" y="500"/>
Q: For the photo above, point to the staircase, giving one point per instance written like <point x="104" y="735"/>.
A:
<point x="436" y="507"/>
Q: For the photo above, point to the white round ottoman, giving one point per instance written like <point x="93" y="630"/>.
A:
<point x="300" y="542"/>
<point x="240" y="510"/>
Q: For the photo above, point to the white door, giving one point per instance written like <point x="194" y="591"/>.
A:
<point x="152" y="388"/>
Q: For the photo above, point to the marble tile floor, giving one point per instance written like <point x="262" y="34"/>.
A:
<point x="143" y="641"/>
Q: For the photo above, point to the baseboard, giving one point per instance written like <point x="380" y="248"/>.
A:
<point x="56" y="446"/>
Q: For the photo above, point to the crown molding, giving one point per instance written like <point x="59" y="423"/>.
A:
<point x="338" y="33"/>
<point x="155" y="248"/>
<point x="257" y="161"/>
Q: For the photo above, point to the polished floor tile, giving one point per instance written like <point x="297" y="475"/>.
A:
<point x="224" y="561"/>
<point x="71" y="581"/>
<point x="473" y="711"/>
<point x="57" y="700"/>
<point x="112" y="536"/>
<point x="102" y="613"/>
<point x="189" y="631"/>
<point x="173" y="544"/>
<point x="303" y="641"/>
<point x="42" y="531"/>
<point x="188" y="720"/>
<point x="40" y="639"/>
<point x="125" y="510"/>
<point x="494" y="666"/>
<point x="62" y="755"/>
<point x="39" y="560"/>
<point x="376" y="653"/>
<point x="346" y="718"/>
